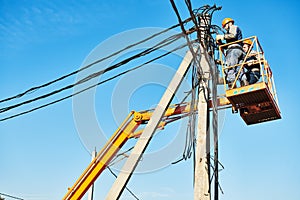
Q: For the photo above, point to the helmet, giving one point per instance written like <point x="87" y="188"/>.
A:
<point x="247" y="41"/>
<point x="226" y="20"/>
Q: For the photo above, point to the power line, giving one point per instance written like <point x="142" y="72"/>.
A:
<point x="112" y="162"/>
<point x="7" y="195"/>
<point x="190" y="138"/>
<point x="92" y="86"/>
<point x="186" y="35"/>
<point x="33" y="89"/>
<point x="125" y="186"/>
<point x="159" y="45"/>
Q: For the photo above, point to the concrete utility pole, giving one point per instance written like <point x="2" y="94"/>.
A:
<point x="141" y="145"/>
<point x="202" y="189"/>
<point x="202" y="172"/>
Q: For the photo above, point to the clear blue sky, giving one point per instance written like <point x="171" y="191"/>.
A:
<point x="42" y="154"/>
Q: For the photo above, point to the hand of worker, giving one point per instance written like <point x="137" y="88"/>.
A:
<point x="219" y="37"/>
<point x="251" y="62"/>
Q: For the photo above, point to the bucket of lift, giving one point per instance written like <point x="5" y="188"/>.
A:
<point x="257" y="102"/>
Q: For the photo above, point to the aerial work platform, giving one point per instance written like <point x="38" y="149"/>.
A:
<point x="256" y="102"/>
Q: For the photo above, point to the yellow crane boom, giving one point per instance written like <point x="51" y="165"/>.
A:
<point x="127" y="130"/>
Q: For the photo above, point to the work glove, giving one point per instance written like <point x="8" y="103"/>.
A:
<point x="219" y="37"/>
<point x="251" y="62"/>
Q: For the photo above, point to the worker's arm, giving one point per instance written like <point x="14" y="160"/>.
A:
<point x="232" y="33"/>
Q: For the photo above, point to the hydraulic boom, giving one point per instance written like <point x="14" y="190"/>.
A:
<point x="128" y="129"/>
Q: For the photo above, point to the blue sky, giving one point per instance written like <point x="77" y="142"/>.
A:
<point x="42" y="153"/>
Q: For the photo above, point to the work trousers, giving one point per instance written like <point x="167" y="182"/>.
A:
<point x="233" y="56"/>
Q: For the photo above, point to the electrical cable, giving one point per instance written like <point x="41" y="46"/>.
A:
<point x="33" y="89"/>
<point x="114" y="160"/>
<point x="189" y="6"/>
<point x="125" y="186"/>
<point x="206" y="41"/>
<point x="161" y="44"/>
<point x="214" y="171"/>
<point x="202" y="41"/>
<point x="92" y="86"/>
<point x="211" y="47"/>
<point x="190" y="135"/>
<point x="10" y="196"/>
<point x="182" y="27"/>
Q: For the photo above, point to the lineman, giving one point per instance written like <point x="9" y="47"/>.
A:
<point x="252" y="70"/>
<point x="234" y="51"/>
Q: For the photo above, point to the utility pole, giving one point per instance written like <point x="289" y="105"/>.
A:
<point x="207" y="86"/>
<point x="141" y="145"/>
<point x="202" y="166"/>
<point x="202" y="187"/>
<point x="201" y="179"/>
<point x="91" y="190"/>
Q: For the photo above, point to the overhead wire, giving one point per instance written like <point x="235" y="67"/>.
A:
<point x="115" y="175"/>
<point x="190" y="135"/>
<point x="10" y="196"/>
<point x="186" y="152"/>
<point x="183" y="29"/>
<point x="33" y="89"/>
<point x="92" y="86"/>
<point x="190" y="140"/>
<point x="114" y="160"/>
<point x="206" y="41"/>
<point x="199" y="33"/>
<point x="159" y="45"/>
<point x="193" y="17"/>
<point x="195" y="84"/>
<point x="211" y="47"/>
<point x="214" y="171"/>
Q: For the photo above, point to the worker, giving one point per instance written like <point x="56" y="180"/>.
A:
<point x="251" y="70"/>
<point x="234" y="51"/>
